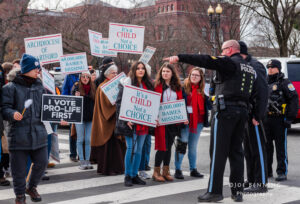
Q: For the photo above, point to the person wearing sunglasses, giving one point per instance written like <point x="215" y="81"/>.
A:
<point x="86" y="88"/>
<point x="234" y="87"/>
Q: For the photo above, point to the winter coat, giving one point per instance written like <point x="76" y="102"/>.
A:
<point x="30" y="132"/>
<point x="88" y="104"/>
<point x="207" y="107"/>
<point x="68" y="83"/>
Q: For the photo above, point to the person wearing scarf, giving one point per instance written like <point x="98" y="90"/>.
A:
<point x="168" y="84"/>
<point x="134" y="134"/>
<point x="107" y="148"/>
<point x="197" y="114"/>
<point x="86" y="88"/>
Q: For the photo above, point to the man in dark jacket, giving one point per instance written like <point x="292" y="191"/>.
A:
<point x="282" y="110"/>
<point x="234" y="87"/>
<point x="27" y="136"/>
<point x="255" y="142"/>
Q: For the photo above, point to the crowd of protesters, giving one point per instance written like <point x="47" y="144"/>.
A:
<point x="116" y="146"/>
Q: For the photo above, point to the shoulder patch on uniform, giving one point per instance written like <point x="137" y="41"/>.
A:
<point x="291" y="87"/>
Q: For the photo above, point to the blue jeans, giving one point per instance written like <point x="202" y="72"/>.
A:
<point x="145" y="153"/>
<point x="192" y="140"/>
<point x="84" y="134"/>
<point x="133" y="156"/>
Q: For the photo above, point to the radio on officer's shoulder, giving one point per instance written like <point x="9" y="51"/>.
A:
<point x="221" y="102"/>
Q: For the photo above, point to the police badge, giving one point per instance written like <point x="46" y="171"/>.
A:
<point x="291" y="87"/>
<point x="274" y="87"/>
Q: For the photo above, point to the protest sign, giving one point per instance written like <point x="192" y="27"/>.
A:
<point x="104" y="49"/>
<point x="73" y="63"/>
<point x="95" y="45"/>
<point x="126" y="38"/>
<point x="139" y="106"/>
<point x="48" y="49"/>
<point x="111" y="89"/>
<point x="172" y="112"/>
<point x="57" y="108"/>
<point x="48" y="81"/>
<point x="147" y="55"/>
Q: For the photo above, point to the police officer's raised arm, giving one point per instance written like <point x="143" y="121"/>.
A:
<point x="221" y="64"/>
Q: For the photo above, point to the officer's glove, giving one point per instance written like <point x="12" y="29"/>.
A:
<point x="287" y="123"/>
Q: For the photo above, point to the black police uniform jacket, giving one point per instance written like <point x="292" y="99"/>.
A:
<point x="30" y="132"/>
<point x="282" y="91"/>
<point x="234" y="76"/>
<point x="259" y="101"/>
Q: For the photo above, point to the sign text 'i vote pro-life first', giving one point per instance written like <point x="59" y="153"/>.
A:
<point x="57" y="108"/>
<point x="48" y="49"/>
<point x="139" y="106"/>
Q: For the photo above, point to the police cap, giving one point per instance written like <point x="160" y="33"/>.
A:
<point x="274" y="63"/>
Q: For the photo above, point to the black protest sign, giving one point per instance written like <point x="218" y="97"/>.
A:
<point x="67" y="108"/>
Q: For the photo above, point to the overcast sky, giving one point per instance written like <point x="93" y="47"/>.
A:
<point x="52" y="4"/>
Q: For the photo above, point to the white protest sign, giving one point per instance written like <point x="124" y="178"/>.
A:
<point x="111" y="90"/>
<point x="48" y="49"/>
<point x="126" y="38"/>
<point x="104" y="49"/>
<point x="172" y="112"/>
<point x="147" y="55"/>
<point x="73" y="63"/>
<point x="139" y="106"/>
<point x="48" y="81"/>
<point x="95" y="45"/>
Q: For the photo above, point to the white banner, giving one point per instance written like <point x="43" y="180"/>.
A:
<point x="111" y="89"/>
<point x="139" y="106"/>
<point x="48" y="49"/>
<point x="172" y="112"/>
<point x="48" y="81"/>
<point x="95" y="45"/>
<point x="126" y="38"/>
<point x="73" y="63"/>
<point x="147" y="55"/>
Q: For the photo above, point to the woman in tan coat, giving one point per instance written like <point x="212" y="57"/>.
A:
<point x="107" y="150"/>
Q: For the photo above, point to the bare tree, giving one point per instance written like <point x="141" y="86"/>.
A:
<point x="280" y="14"/>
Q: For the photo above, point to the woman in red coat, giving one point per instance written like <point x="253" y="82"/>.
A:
<point x="168" y="84"/>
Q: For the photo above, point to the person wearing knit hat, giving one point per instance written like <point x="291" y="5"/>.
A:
<point x="107" y="62"/>
<point x="29" y="63"/>
<point x="28" y="136"/>
<point x="106" y="71"/>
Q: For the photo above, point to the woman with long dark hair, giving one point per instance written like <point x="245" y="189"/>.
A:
<point x="197" y="107"/>
<point x="135" y="134"/>
<point x="86" y="88"/>
<point x="168" y="84"/>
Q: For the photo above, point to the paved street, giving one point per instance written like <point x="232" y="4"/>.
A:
<point x="68" y="184"/>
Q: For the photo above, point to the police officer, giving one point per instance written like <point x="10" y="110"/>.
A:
<point x="282" y="110"/>
<point x="234" y="84"/>
<point x="255" y="139"/>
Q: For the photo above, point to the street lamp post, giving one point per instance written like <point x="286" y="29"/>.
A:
<point x="214" y="20"/>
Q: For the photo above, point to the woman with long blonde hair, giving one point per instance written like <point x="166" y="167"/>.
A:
<point x="196" y="102"/>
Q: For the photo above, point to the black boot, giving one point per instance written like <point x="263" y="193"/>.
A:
<point x="237" y="198"/>
<point x="281" y="177"/>
<point x="138" y="180"/>
<point x="195" y="173"/>
<point x="256" y="189"/>
<point x="128" y="181"/>
<point x="178" y="174"/>
<point x="210" y="197"/>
